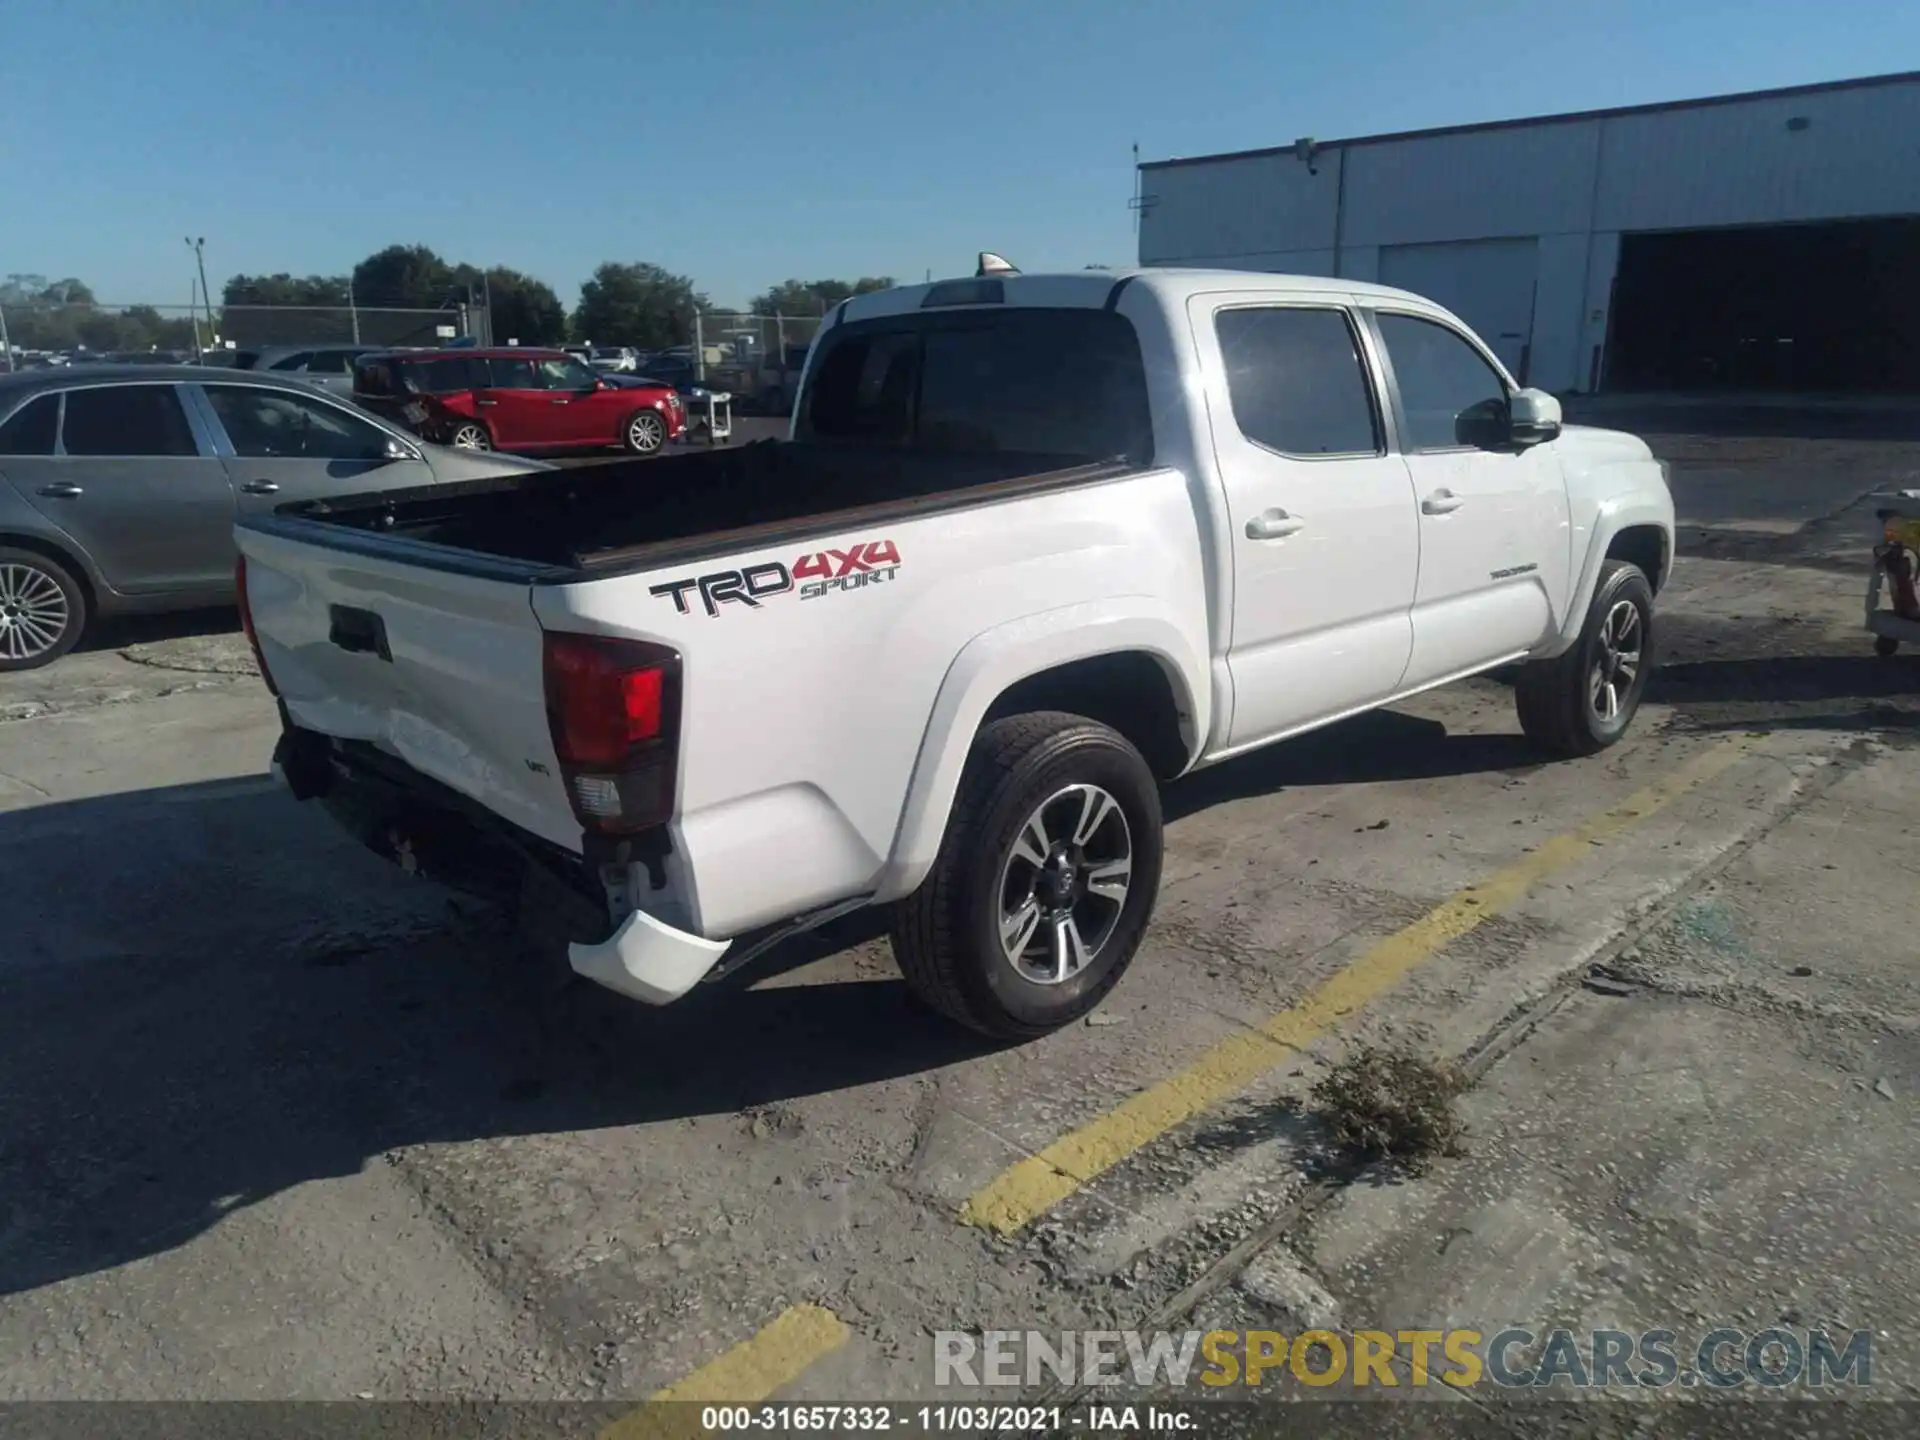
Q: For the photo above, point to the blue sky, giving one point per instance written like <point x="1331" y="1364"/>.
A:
<point x="745" y="142"/>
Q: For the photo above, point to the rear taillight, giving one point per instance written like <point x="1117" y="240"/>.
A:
<point x="246" y="623"/>
<point x="613" y="708"/>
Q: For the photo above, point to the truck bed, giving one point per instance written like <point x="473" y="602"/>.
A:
<point x="602" y="519"/>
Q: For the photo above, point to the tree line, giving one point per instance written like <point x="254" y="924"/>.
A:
<point x="624" y="303"/>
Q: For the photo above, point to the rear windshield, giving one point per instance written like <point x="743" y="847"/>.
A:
<point x="373" y="377"/>
<point x="1042" y="381"/>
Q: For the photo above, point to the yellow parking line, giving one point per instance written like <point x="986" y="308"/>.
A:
<point x="751" y="1371"/>
<point x="1038" y="1183"/>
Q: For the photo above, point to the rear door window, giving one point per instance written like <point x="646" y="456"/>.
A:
<point x="329" y="362"/>
<point x="444" y="377"/>
<point x="1297" y="382"/>
<point x="126" y="420"/>
<point x="293" y="362"/>
<point x="30" y="430"/>
<point x="1041" y="381"/>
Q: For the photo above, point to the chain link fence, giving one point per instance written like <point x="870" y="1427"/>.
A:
<point x="755" y="358"/>
<point x="30" y="333"/>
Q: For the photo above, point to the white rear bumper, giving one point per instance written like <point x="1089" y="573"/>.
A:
<point x="646" y="960"/>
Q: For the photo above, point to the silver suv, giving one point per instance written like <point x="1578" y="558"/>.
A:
<point x="119" y="486"/>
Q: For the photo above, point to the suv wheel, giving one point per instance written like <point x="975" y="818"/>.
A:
<point x="470" y="435"/>
<point x="646" y="432"/>
<point x="42" y="610"/>
<point x="1045" y="881"/>
<point x="1583" y="701"/>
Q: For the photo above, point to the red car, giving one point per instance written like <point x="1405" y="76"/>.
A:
<point x="515" y="399"/>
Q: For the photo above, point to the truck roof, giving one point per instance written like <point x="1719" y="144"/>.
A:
<point x="1092" y="289"/>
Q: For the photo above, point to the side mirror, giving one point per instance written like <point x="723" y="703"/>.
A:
<point x="1533" y="417"/>
<point x="398" y="451"/>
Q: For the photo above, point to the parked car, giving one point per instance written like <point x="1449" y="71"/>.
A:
<point x="119" y="486"/>
<point x="330" y="366"/>
<point x="235" y="359"/>
<point x="1077" y="533"/>
<point x="621" y="359"/>
<point x="516" y="398"/>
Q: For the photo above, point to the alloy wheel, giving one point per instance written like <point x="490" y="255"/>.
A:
<point x="645" y="432"/>
<point x="1064" y="886"/>
<point x="34" y="613"/>
<point x="1616" y="661"/>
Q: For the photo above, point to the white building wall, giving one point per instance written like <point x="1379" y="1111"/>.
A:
<point x="1475" y="185"/>
<point x="1572" y="184"/>
<point x="1738" y="164"/>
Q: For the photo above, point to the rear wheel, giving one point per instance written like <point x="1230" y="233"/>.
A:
<point x="1045" y="880"/>
<point x="646" y="432"/>
<point x="43" y="610"/>
<point x="1583" y="701"/>
<point x="470" y="435"/>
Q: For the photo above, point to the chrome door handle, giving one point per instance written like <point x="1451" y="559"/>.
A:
<point x="1441" y="502"/>
<point x="560" y="402"/>
<point x="260" y="487"/>
<point x="486" y="402"/>
<point x="1274" y="525"/>
<point x="61" y="490"/>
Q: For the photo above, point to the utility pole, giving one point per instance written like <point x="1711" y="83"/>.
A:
<point x="199" y="248"/>
<point x="353" y="311"/>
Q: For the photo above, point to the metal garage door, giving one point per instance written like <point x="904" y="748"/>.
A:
<point x="1487" y="283"/>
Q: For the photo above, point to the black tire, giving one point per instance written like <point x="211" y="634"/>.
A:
<point x="1555" y="697"/>
<point x="43" y="610"/>
<point x="1885" y="645"/>
<point x="655" y="438"/>
<point x="946" y="935"/>
<point x="470" y="435"/>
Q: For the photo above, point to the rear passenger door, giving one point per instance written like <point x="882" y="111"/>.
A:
<point x="138" y="488"/>
<point x="1325" y="540"/>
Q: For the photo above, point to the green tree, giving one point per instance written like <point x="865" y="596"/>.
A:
<point x="403" y="277"/>
<point x="637" y="304"/>
<point x="285" y="289"/>
<point x="524" y="309"/>
<point x="815" y="297"/>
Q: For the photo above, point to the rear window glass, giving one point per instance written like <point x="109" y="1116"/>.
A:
<point x="373" y="377"/>
<point x="29" y="431"/>
<point x="1042" y="381"/>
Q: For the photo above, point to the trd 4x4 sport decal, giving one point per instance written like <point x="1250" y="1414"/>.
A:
<point x="825" y="572"/>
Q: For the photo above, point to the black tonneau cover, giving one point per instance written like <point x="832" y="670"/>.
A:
<point x="553" y="526"/>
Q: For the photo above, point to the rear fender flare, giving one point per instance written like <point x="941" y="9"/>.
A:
<point x="999" y="658"/>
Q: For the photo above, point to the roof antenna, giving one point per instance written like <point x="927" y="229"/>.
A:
<point x="992" y="264"/>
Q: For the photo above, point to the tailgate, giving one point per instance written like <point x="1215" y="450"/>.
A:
<point x="440" y="669"/>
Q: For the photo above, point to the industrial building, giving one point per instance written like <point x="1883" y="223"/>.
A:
<point x="1765" y="241"/>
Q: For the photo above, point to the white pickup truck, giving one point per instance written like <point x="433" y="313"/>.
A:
<point x="1036" y="543"/>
